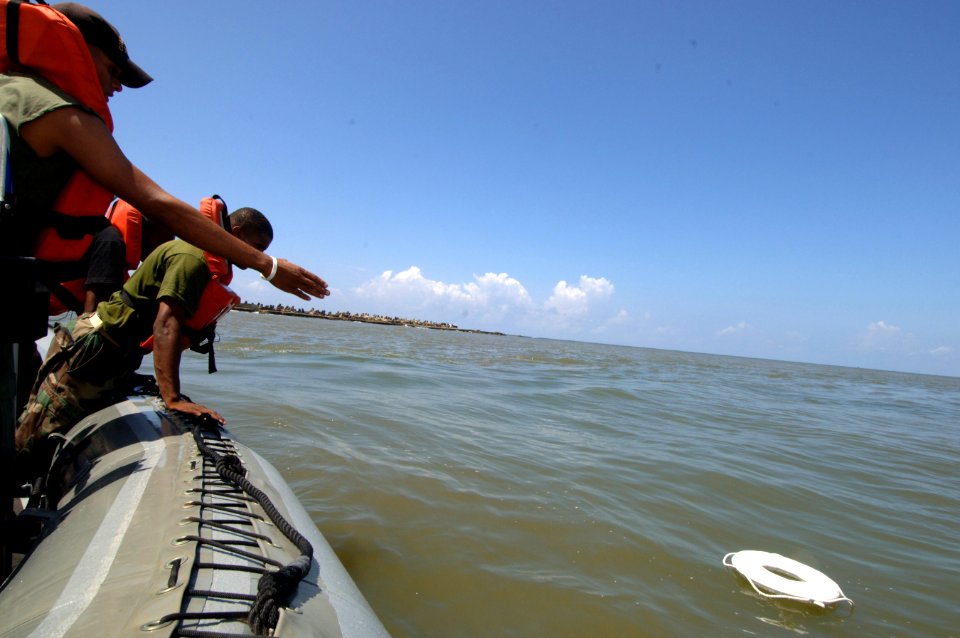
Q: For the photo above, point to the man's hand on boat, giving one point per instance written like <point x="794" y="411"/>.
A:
<point x="182" y="404"/>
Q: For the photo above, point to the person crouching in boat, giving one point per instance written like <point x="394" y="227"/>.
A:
<point x="176" y="288"/>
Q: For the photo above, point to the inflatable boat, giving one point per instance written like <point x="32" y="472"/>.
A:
<point x="153" y="523"/>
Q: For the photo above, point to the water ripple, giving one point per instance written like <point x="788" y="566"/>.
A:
<point x="477" y="485"/>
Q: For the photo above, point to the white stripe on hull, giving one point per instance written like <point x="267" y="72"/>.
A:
<point x="95" y="564"/>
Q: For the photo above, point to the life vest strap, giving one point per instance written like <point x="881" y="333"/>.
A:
<point x="30" y="224"/>
<point x="53" y="274"/>
<point x="13" y="31"/>
<point x="64" y="296"/>
<point x="130" y="301"/>
<point x="199" y="341"/>
<point x="70" y="226"/>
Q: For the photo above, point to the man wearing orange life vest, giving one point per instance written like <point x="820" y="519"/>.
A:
<point x="67" y="131"/>
<point x="176" y="295"/>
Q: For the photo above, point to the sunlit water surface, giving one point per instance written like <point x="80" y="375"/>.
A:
<point x="478" y="486"/>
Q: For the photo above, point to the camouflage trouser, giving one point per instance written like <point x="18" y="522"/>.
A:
<point x="78" y="377"/>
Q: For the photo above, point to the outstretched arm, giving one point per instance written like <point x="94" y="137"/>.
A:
<point x="167" y="330"/>
<point x="86" y="138"/>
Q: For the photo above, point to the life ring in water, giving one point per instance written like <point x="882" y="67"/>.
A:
<point x="775" y="576"/>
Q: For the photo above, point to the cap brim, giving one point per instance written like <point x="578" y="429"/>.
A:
<point x="133" y="76"/>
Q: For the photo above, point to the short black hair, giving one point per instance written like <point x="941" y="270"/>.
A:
<point x="252" y="218"/>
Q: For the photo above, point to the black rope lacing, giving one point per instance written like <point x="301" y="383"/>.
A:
<point x="227" y="527"/>
<point x="230" y="546"/>
<point x="276" y="587"/>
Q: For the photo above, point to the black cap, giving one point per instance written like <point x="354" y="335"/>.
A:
<point x="101" y="34"/>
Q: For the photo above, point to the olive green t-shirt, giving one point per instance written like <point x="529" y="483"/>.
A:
<point x="37" y="181"/>
<point x="176" y="270"/>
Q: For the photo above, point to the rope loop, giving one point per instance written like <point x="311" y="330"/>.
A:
<point x="230" y="463"/>
<point x="274" y="591"/>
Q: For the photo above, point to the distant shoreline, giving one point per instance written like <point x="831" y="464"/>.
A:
<point x="361" y="317"/>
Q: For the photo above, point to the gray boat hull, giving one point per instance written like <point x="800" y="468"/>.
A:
<point x="144" y="540"/>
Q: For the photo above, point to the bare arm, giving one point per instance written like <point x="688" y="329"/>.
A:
<point x="87" y="139"/>
<point x="167" y="330"/>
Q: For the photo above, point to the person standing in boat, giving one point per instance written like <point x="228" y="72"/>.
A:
<point x="169" y="303"/>
<point x="56" y="133"/>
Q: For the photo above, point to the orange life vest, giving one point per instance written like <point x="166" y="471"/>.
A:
<point x="41" y="40"/>
<point x="129" y="221"/>
<point x="217" y="298"/>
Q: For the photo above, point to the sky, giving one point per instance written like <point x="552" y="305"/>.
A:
<point x="763" y="179"/>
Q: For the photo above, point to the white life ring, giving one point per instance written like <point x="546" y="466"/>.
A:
<point x="775" y="576"/>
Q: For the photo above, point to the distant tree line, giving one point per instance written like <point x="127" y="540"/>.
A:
<point x="341" y="315"/>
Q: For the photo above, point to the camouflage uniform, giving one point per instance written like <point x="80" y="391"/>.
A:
<point x="82" y="370"/>
<point x="89" y="363"/>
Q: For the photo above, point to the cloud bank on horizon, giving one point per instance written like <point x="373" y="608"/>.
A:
<point x="491" y="301"/>
<point x="586" y="310"/>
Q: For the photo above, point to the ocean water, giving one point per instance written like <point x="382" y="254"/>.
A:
<point x="479" y="485"/>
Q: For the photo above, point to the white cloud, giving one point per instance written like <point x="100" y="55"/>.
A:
<point x="487" y="299"/>
<point x="575" y="301"/>
<point x="501" y="287"/>
<point x="411" y="285"/>
<point x="622" y="316"/>
<point x="941" y="351"/>
<point x="882" y="327"/>
<point x="729" y="330"/>
<point x="882" y="336"/>
<point x="494" y="301"/>
<point x="617" y="323"/>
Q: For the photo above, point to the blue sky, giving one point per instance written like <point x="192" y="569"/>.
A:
<point x="764" y="179"/>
